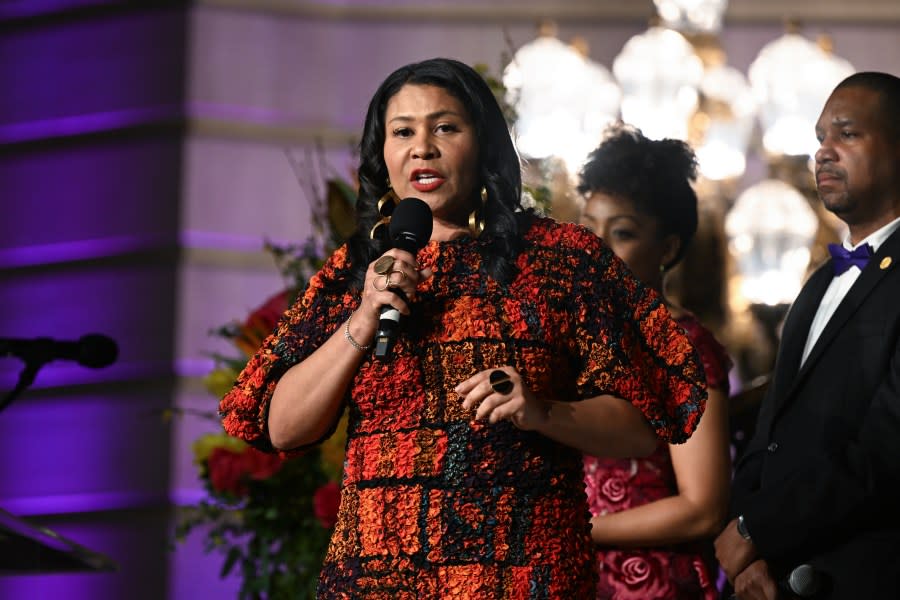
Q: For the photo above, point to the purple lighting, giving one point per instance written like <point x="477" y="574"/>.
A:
<point x="115" y="246"/>
<point x="81" y="125"/>
<point x="91" y="136"/>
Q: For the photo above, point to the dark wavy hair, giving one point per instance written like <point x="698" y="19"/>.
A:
<point x="655" y="175"/>
<point x="887" y="86"/>
<point x="500" y="170"/>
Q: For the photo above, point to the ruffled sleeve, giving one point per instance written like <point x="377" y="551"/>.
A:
<point x="631" y="347"/>
<point x="302" y="329"/>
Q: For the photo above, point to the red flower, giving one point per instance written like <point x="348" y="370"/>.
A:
<point x="636" y="576"/>
<point x="226" y="471"/>
<point x="230" y="470"/>
<point x="268" y="314"/>
<point x="635" y="570"/>
<point x="614" y="488"/>
<point x="325" y="504"/>
<point x="261" y="323"/>
<point x="609" y="484"/>
<point x="261" y="465"/>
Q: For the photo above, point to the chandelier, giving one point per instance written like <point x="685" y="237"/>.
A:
<point x="673" y="80"/>
<point x="660" y="76"/>
<point x="563" y="99"/>
<point x="791" y="79"/>
<point x="692" y="15"/>
<point x="771" y="228"/>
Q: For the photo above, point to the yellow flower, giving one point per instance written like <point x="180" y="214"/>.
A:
<point x="205" y="444"/>
<point x="332" y="451"/>
<point x="220" y="381"/>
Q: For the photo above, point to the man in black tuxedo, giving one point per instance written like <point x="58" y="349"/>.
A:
<point x="819" y="483"/>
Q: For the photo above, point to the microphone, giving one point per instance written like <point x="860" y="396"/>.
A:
<point x="92" y="350"/>
<point x="804" y="581"/>
<point x="409" y="230"/>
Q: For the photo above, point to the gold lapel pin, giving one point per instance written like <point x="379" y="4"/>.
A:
<point x="885" y="263"/>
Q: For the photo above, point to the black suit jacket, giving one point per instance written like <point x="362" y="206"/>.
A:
<point x="820" y="481"/>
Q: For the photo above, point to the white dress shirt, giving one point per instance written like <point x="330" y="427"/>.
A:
<point x="841" y="284"/>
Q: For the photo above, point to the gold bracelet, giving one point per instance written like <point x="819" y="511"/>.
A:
<point x="350" y="339"/>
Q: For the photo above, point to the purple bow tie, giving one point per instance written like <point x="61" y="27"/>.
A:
<point x="842" y="259"/>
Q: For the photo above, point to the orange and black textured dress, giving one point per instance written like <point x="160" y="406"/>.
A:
<point x="436" y="505"/>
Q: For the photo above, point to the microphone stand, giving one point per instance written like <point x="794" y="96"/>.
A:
<point x="26" y="378"/>
<point x="31" y="549"/>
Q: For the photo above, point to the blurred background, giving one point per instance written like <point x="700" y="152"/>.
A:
<point x="147" y="151"/>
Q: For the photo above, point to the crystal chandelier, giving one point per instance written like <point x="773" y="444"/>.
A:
<point x="563" y="99"/>
<point x="771" y="227"/>
<point x="791" y="79"/>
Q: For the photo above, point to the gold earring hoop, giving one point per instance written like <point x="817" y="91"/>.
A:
<point x="379" y="229"/>
<point x="385" y="205"/>
<point x="476" y="217"/>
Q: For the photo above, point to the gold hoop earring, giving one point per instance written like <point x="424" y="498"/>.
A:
<point x="386" y="205"/>
<point x="476" y="217"/>
<point x="379" y="229"/>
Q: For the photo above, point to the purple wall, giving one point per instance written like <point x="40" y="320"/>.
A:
<point x="90" y="178"/>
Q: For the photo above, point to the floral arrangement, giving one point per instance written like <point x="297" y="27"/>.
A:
<point x="272" y="516"/>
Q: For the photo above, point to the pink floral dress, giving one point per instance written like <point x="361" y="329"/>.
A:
<point x="680" y="572"/>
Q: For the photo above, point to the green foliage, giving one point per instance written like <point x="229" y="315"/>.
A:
<point x="271" y="536"/>
<point x="264" y="521"/>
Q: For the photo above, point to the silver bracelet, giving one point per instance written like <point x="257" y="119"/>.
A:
<point x="350" y="339"/>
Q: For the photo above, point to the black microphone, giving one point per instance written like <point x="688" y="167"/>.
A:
<point x="804" y="581"/>
<point x="92" y="350"/>
<point x="409" y="230"/>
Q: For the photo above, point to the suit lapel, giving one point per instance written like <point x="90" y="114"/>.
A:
<point x="796" y="330"/>
<point x="879" y="266"/>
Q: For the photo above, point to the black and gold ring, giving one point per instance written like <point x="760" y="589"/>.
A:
<point x="384" y="265"/>
<point x="500" y="382"/>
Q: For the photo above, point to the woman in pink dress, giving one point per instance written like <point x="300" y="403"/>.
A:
<point x="653" y="519"/>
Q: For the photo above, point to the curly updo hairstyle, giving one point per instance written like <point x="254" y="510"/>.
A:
<point x="654" y="175"/>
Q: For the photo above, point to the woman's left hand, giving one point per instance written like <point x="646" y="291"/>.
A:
<point x="498" y="394"/>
